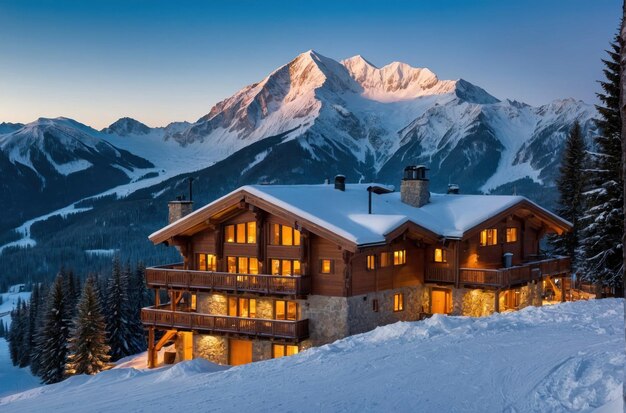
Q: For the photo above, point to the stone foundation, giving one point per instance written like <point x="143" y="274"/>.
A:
<point x="212" y="348"/>
<point x="362" y="317"/>
<point x="328" y="318"/>
<point x="211" y="304"/>
<point x="473" y="302"/>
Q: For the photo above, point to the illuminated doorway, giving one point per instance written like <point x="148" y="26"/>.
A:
<point x="239" y="352"/>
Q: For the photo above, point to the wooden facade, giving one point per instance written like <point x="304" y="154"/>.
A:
<point x="245" y="246"/>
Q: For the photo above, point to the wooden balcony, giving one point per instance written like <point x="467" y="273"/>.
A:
<point x="225" y="325"/>
<point x="502" y="277"/>
<point x="171" y="277"/>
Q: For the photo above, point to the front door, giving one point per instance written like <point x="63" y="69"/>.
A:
<point x="439" y="301"/>
<point x="239" y="352"/>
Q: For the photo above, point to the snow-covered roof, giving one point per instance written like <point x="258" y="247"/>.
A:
<point x="345" y="213"/>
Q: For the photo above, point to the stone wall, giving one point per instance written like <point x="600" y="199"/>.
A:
<point x="362" y="317"/>
<point x="261" y="350"/>
<point x="473" y="302"/>
<point x="207" y="303"/>
<point x="531" y="295"/>
<point x="265" y="308"/>
<point x="328" y="318"/>
<point x="212" y="348"/>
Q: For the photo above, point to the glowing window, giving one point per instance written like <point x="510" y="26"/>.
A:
<point x="229" y="233"/>
<point x="385" y="259"/>
<point x="488" y="237"/>
<point x="286" y="310"/>
<point x="282" y="350"/>
<point x="242" y="233"/>
<point x="242" y="307"/>
<point x="371" y="262"/>
<point x="207" y="262"/>
<point x="285" y="235"/>
<point x="251" y="236"/>
<point x="441" y="255"/>
<point x="326" y="266"/>
<point x="399" y="257"/>
<point x="285" y="267"/>
<point x="243" y="265"/>
<point x="511" y="234"/>
<point x="398" y="302"/>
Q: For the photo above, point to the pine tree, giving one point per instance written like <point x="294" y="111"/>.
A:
<point x="14" y="335"/>
<point x="604" y="219"/>
<point x="571" y="184"/>
<point x="88" y="350"/>
<point x="119" y="315"/>
<point x="2" y="330"/>
<point x="38" y="307"/>
<point x="53" y="336"/>
<point x="140" y="297"/>
<point x="24" y="331"/>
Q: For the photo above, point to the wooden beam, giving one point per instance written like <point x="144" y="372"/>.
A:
<point x="152" y="355"/>
<point x="169" y="334"/>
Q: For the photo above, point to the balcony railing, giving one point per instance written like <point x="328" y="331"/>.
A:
<point x="171" y="277"/>
<point x="502" y="277"/>
<point x="221" y="324"/>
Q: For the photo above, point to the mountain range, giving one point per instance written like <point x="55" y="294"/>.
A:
<point x="306" y="121"/>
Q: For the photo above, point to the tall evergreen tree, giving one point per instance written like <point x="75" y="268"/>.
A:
<point x="604" y="219"/>
<point x="14" y="335"/>
<point x="24" y="331"/>
<point x="88" y="349"/>
<point x="2" y="330"/>
<point x="53" y="336"/>
<point x="119" y="315"/>
<point x="571" y="185"/>
<point x="38" y="307"/>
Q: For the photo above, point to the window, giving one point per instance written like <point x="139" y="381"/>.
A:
<point x="189" y="301"/>
<point x="488" y="237"/>
<point x="243" y="265"/>
<point x="285" y="310"/>
<point x="441" y="255"/>
<point x="371" y="262"/>
<point x="511" y="234"/>
<point x="206" y="262"/>
<point x="326" y="266"/>
<point x="375" y="305"/>
<point x="285" y="267"/>
<point x="385" y="259"/>
<point x="284" y="235"/>
<point x="242" y="233"/>
<point x="282" y="350"/>
<point x="399" y="257"/>
<point x="398" y="302"/>
<point x="242" y="307"/>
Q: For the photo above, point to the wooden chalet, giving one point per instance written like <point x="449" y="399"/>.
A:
<point x="269" y="270"/>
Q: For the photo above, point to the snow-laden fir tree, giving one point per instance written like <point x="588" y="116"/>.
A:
<point x="37" y="310"/>
<point x="571" y="185"/>
<point x="88" y="348"/>
<point x="119" y="315"/>
<point x="52" y="337"/>
<point x="19" y="348"/>
<point x="139" y="297"/>
<point x="603" y="222"/>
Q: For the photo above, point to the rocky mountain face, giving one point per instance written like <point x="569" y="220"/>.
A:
<point x="371" y="122"/>
<point x="49" y="163"/>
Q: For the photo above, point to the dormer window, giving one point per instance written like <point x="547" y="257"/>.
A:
<point x="488" y="237"/>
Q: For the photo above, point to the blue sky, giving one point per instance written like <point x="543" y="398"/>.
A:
<point x="158" y="61"/>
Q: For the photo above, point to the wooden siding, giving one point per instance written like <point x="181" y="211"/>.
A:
<point x="327" y="284"/>
<point x="393" y="276"/>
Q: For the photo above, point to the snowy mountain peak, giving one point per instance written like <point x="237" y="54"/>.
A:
<point x="127" y="126"/>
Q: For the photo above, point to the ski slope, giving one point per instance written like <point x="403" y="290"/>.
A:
<point x="562" y="358"/>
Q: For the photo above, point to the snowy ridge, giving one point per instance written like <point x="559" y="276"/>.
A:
<point x="563" y="358"/>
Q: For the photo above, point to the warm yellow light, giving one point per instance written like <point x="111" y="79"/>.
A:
<point x="326" y="266"/>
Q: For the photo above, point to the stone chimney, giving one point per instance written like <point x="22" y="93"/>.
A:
<point x="178" y="209"/>
<point x="414" y="187"/>
<point x="340" y="182"/>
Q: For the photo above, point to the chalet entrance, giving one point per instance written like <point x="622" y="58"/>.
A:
<point x="440" y="301"/>
<point x="239" y="352"/>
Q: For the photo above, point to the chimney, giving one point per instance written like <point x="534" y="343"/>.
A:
<point x="414" y="187"/>
<point x="453" y="189"/>
<point x="340" y="182"/>
<point x="179" y="208"/>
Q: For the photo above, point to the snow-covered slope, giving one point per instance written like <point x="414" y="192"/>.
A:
<point x="564" y="358"/>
